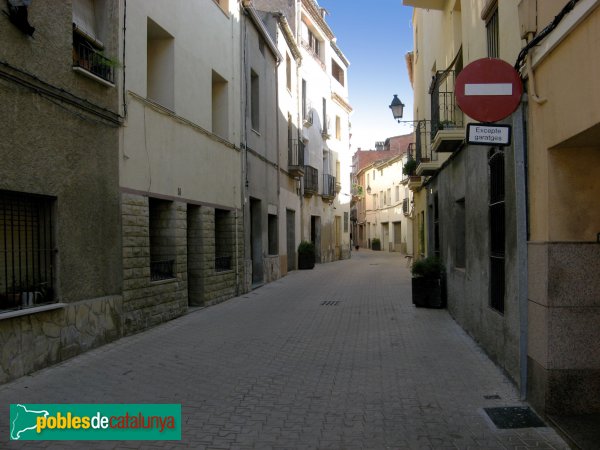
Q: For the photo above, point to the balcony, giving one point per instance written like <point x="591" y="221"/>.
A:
<point x="428" y="161"/>
<point x="314" y="49"/>
<point x="296" y="157"/>
<point x="311" y="181"/>
<point x="328" y="187"/>
<point x="415" y="182"/>
<point x="307" y="114"/>
<point x="91" y="61"/>
<point x="447" y="120"/>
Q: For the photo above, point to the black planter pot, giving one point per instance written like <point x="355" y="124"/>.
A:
<point x="376" y="246"/>
<point x="306" y="261"/>
<point x="428" y="292"/>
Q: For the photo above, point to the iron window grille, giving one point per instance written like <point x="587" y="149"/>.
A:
<point x="311" y="180"/>
<point x="497" y="229"/>
<point x="27" y="250"/>
<point x="295" y="152"/>
<point x="162" y="270"/>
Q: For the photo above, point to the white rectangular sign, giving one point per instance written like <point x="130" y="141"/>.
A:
<point x="488" y="89"/>
<point x="484" y="134"/>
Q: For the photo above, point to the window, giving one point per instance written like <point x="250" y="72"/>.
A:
<point x="272" y="232"/>
<point x="288" y="72"/>
<point x="160" y="72"/>
<point x="389" y="197"/>
<point x="254" y="101"/>
<point x="497" y="229"/>
<point x="314" y="43"/>
<point x="397" y="193"/>
<point x="346" y="220"/>
<point x="381" y="199"/>
<point x="459" y="234"/>
<point x="374" y="201"/>
<point x="26" y="250"/>
<point x="162" y="239"/>
<point x="87" y="45"/>
<point x="224" y="239"/>
<point x="367" y="179"/>
<point x="337" y="72"/>
<point x="491" y="25"/>
<point x="220" y="116"/>
<point x="338" y="128"/>
<point x="374" y="174"/>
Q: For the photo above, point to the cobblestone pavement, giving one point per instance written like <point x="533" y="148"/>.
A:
<point x="278" y="368"/>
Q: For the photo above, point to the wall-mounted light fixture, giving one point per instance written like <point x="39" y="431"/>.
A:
<point x="397" y="108"/>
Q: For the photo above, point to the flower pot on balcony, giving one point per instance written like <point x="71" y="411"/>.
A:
<point x="306" y="255"/>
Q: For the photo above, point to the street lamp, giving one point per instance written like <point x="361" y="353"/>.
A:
<point x="369" y="190"/>
<point x="397" y="108"/>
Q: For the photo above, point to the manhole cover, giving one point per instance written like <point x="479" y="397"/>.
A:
<point x="492" y="397"/>
<point x="514" y="417"/>
<point x="330" y="303"/>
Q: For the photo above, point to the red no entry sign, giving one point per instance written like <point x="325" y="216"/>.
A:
<point x="488" y="90"/>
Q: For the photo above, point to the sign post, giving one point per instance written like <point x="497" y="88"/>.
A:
<point x="488" y="90"/>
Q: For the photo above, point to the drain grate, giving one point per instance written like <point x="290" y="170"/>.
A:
<point x="330" y="303"/>
<point x="492" y="397"/>
<point x="514" y="417"/>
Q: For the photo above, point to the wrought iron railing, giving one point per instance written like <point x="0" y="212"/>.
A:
<point x="445" y="112"/>
<point x="328" y="186"/>
<point x="92" y="61"/>
<point x="162" y="270"/>
<point x="423" y="152"/>
<point x="295" y="152"/>
<point x="311" y="180"/>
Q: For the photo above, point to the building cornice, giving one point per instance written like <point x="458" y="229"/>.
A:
<point x="260" y="26"/>
<point x="338" y="52"/>
<point x="315" y="13"/>
<point x="289" y="37"/>
<point x="340" y="101"/>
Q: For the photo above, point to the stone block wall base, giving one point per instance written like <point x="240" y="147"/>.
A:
<point x="38" y="340"/>
<point x="563" y="392"/>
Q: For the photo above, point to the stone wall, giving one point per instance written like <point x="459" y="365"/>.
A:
<point x="147" y="303"/>
<point x="39" y="339"/>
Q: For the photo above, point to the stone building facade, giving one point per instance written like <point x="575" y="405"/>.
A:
<point x="60" y="264"/>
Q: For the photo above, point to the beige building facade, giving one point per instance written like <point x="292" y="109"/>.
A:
<point x="564" y="218"/>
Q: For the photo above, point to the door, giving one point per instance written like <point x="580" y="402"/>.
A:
<point x="291" y="239"/>
<point x="397" y="236"/>
<point x="256" y="240"/>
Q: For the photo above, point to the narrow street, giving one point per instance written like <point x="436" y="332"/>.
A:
<point x="336" y="357"/>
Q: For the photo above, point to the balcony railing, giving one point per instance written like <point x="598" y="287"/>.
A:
<point x="296" y="157"/>
<point x="93" y="62"/>
<point x="328" y="187"/>
<point x="311" y="181"/>
<point x="445" y="113"/>
<point x="314" y="51"/>
<point x="162" y="270"/>
<point x="422" y="150"/>
<point x="405" y="206"/>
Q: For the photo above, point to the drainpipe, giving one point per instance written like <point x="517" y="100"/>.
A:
<point x="520" y="149"/>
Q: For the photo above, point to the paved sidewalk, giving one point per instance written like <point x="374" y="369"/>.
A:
<point x="277" y="368"/>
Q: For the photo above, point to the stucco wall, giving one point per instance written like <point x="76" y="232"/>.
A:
<point x="466" y="176"/>
<point x="62" y="150"/>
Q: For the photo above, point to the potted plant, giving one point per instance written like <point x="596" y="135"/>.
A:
<point x="306" y="255"/>
<point x="409" y="167"/>
<point x="428" y="283"/>
<point x="376" y="244"/>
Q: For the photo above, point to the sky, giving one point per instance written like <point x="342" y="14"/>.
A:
<point x="375" y="36"/>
